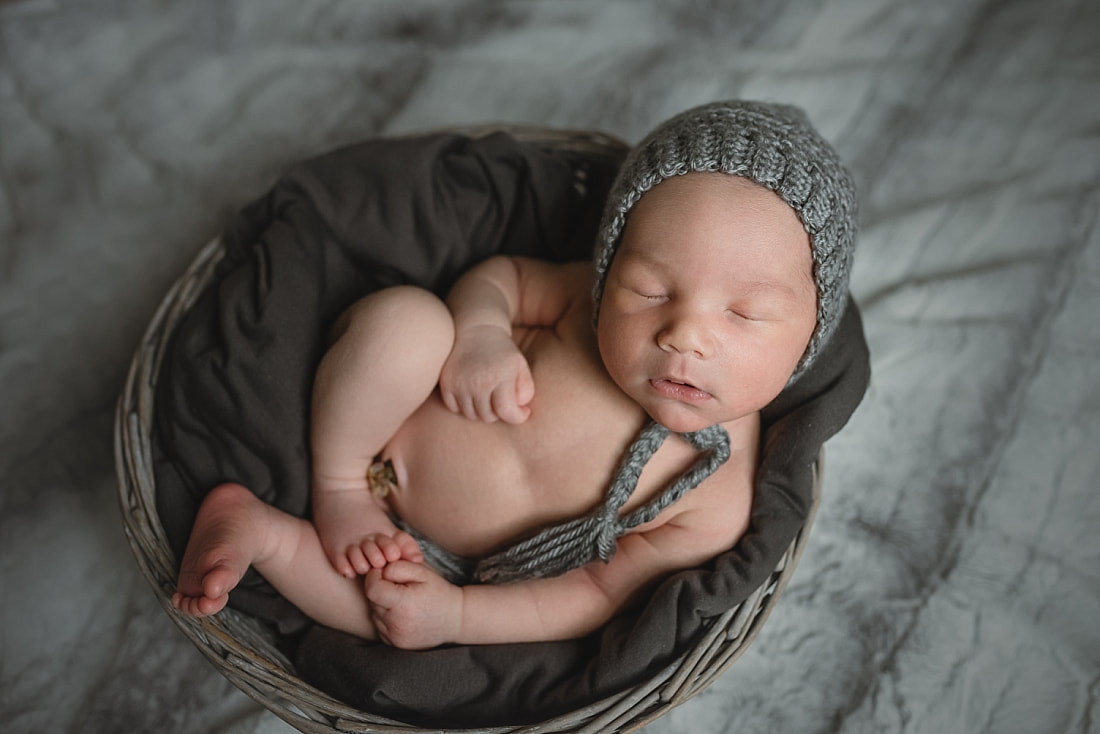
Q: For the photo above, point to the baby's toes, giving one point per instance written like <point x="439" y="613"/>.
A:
<point x="373" y="553"/>
<point x="198" y="606"/>
<point x="390" y="549"/>
<point x="358" y="558"/>
<point x="208" y="606"/>
<point x="410" y="549"/>
<point x="340" y="563"/>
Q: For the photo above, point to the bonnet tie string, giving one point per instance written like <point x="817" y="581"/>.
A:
<point x="574" y="543"/>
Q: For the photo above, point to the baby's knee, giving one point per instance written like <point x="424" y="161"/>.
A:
<point x="420" y="316"/>
<point x="420" y="307"/>
<point x="402" y="315"/>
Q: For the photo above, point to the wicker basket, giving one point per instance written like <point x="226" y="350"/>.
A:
<point x="245" y="651"/>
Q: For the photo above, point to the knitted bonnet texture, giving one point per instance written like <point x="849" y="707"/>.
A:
<point x="773" y="145"/>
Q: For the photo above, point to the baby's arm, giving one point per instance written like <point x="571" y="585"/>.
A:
<point x="486" y="376"/>
<point x="414" y="608"/>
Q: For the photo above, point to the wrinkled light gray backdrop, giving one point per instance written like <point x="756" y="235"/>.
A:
<point x="950" y="583"/>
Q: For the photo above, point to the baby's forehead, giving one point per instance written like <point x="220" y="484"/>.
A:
<point x="727" y="221"/>
<point x="718" y="190"/>
<point x="718" y="198"/>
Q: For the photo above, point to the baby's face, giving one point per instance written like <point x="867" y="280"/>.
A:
<point x="709" y="302"/>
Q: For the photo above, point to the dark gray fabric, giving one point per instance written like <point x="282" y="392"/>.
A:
<point x="232" y="404"/>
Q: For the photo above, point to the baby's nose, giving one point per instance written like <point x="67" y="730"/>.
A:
<point x="687" y="335"/>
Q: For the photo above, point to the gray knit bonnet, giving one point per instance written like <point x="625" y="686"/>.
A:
<point x="773" y="145"/>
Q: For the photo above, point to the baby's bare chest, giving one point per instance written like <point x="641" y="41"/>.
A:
<point x="475" y="486"/>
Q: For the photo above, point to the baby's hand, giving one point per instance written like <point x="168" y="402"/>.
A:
<point x="412" y="607"/>
<point x="487" y="378"/>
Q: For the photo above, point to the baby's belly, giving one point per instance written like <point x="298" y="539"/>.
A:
<point x="476" y="487"/>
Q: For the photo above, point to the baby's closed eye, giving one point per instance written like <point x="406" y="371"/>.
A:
<point x="652" y="296"/>
<point x="646" y="288"/>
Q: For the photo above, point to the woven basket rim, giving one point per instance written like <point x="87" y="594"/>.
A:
<point x="243" y="650"/>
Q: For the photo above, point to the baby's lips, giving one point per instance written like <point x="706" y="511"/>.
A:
<point x="682" y="391"/>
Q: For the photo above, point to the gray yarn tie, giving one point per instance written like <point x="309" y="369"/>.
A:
<point x="575" y="543"/>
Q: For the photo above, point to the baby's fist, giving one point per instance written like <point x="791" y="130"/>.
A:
<point x="488" y="382"/>
<point x="412" y="607"/>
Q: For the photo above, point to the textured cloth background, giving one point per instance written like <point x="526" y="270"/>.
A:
<point x="950" y="582"/>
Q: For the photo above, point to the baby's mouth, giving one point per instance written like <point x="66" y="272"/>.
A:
<point x="678" y="390"/>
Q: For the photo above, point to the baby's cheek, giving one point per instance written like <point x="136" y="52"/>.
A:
<point x="618" y="357"/>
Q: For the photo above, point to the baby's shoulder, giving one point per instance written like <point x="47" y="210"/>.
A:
<point x="708" y="520"/>
<point x="719" y="508"/>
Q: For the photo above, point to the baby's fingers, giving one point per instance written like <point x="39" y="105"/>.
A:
<point x="406" y="573"/>
<point x="507" y="410"/>
<point x="449" y="399"/>
<point x="472" y="406"/>
<point x="483" y="409"/>
<point x="510" y="403"/>
<point x="381" y="592"/>
<point x="525" y="386"/>
<point x="461" y="402"/>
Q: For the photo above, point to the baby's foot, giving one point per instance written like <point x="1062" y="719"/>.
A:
<point x="227" y="537"/>
<point x="356" y="533"/>
<point x="378" y="550"/>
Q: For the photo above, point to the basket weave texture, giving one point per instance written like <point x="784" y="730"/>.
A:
<point x="244" y="650"/>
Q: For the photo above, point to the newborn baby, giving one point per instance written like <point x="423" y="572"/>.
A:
<point x="444" y="433"/>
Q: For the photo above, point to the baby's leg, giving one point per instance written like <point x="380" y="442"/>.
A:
<point x="235" y="529"/>
<point x="389" y="350"/>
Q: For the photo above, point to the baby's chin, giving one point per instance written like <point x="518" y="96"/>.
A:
<point x="681" y="421"/>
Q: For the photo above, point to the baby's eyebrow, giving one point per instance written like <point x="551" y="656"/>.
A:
<point x="642" y="258"/>
<point x="765" y="286"/>
<point x="769" y="287"/>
